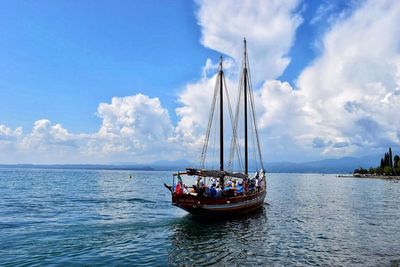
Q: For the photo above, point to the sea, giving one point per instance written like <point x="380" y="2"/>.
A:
<point x="105" y="218"/>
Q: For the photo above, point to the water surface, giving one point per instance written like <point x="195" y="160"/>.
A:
<point x="76" y="217"/>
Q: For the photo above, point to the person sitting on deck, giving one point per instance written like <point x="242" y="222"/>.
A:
<point x="218" y="192"/>
<point x="252" y="184"/>
<point x="199" y="187"/>
<point x="213" y="192"/>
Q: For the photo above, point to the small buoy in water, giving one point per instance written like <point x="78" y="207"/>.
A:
<point x="130" y="176"/>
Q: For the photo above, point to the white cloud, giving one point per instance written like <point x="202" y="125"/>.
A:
<point x="7" y="133"/>
<point x="134" y="129"/>
<point x="44" y="134"/>
<point x="351" y="92"/>
<point x="133" y="126"/>
<point x="345" y="102"/>
<point x="269" y="27"/>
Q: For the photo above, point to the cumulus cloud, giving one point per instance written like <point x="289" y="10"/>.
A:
<point x="269" y="27"/>
<point x="134" y="128"/>
<point x="44" y="143"/>
<point x="351" y="92"/>
<point x="7" y="134"/>
<point x="133" y="125"/>
<point x="345" y="102"/>
<point x="45" y="135"/>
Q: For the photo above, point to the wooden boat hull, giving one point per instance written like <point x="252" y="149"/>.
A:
<point x="217" y="207"/>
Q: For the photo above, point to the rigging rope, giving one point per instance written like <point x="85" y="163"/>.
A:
<point x="235" y="144"/>
<point x="234" y="141"/>
<point x="255" y="120"/>
<point x="210" y="119"/>
<point x="234" y="132"/>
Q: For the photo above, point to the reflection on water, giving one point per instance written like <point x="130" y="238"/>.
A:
<point x="204" y="242"/>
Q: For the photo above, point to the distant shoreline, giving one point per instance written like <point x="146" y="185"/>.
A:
<point x="78" y="167"/>
<point x="363" y="176"/>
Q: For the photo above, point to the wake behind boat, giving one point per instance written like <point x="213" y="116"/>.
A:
<point x="224" y="191"/>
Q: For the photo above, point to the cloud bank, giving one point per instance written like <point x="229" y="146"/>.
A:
<point x="134" y="128"/>
<point x="351" y="92"/>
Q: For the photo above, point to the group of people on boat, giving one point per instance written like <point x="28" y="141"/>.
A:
<point x="211" y="187"/>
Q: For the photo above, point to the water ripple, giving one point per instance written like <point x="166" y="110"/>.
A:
<point x="67" y="217"/>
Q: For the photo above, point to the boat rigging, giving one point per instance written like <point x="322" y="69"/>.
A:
<point x="226" y="191"/>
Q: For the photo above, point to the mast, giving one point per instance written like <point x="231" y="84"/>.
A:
<point x="246" y="154"/>
<point x="221" y="117"/>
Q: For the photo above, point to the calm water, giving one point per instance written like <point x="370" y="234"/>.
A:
<point x="71" y="217"/>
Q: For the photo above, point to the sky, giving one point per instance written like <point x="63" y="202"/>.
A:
<point x="132" y="81"/>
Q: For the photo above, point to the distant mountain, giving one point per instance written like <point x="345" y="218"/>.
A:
<point x="172" y="165"/>
<point x="341" y="165"/>
<point x="162" y="164"/>
<point x="78" y="166"/>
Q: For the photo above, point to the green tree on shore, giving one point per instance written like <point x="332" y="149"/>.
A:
<point x="388" y="165"/>
<point x="387" y="170"/>
<point x="396" y="161"/>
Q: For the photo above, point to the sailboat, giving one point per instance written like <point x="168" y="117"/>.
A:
<point x="225" y="191"/>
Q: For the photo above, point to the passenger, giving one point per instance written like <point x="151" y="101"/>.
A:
<point x="252" y="184"/>
<point x="218" y="192"/>
<point x="199" y="188"/>
<point x="185" y="189"/>
<point x="262" y="179"/>
<point x="213" y="192"/>
<point x="212" y="181"/>
<point x="245" y="184"/>
<point x="261" y="183"/>
<point x="178" y="189"/>
<point x="257" y="185"/>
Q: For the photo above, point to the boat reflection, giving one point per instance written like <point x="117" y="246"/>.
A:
<point x="202" y="242"/>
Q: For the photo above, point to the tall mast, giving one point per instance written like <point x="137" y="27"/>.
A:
<point x="246" y="154"/>
<point x="221" y="116"/>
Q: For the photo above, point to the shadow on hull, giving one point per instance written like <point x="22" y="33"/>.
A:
<point x="207" y="217"/>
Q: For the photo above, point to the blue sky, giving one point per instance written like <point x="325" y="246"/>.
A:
<point x="59" y="55"/>
<point x="62" y="63"/>
<point x="60" y="59"/>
